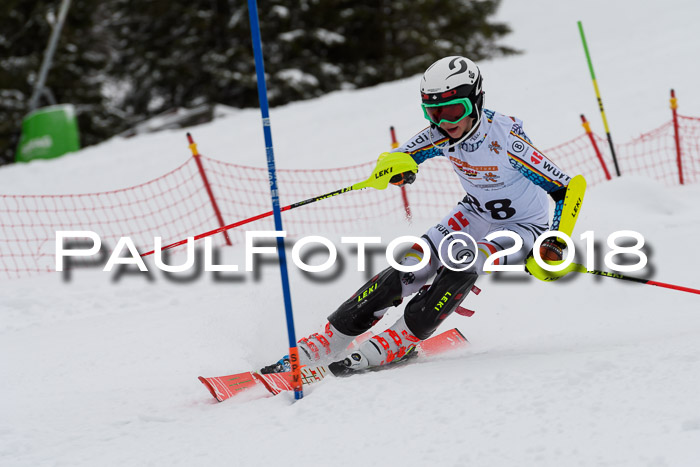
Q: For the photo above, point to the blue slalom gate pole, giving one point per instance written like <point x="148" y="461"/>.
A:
<point x="264" y="109"/>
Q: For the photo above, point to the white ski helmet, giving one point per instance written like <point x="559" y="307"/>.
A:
<point x="450" y="91"/>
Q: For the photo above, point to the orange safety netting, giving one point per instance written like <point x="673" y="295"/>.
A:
<point x="176" y="205"/>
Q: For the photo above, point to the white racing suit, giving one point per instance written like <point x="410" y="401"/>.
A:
<point x="506" y="180"/>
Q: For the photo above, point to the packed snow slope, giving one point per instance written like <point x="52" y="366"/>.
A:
<point x="589" y="371"/>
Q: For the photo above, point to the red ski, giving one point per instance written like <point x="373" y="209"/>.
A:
<point x="225" y="387"/>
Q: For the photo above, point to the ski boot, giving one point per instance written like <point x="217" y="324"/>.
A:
<point x="355" y="316"/>
<point x="394" y="345"/>
<point x="281" y="366"/>
<point x="422" y="316"/>
<point x="357" y="362"/>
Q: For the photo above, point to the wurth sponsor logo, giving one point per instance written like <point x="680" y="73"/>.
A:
<point x="443" y="230"/>
<point x="458" y="221"/>
<point x="552" y="170"/>
<point x="536" y="158"/>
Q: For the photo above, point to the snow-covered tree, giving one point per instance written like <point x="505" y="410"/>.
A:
<point x="122" y="61"/>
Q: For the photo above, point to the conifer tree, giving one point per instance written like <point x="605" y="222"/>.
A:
<point x="123" y="61"/>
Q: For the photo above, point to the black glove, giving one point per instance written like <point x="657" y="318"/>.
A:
<point x="552" y="249"/>
<point x="402" y="179"/>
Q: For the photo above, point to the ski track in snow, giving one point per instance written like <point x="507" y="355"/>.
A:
<point x="589" y="371"/>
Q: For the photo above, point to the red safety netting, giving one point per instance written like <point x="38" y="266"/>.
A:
<point x="652" y="154"/>
<point x="244" y="192"/>
<point x="177" y="205"/>
<point x="172" y="206"/>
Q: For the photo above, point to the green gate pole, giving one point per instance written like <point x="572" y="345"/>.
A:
<point x="600" y="101"/>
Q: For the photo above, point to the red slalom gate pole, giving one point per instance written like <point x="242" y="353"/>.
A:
<point x="203" y="174"/>
<point x="224" y="228"/>
<point x="379" y="180"/>
<point x="587" y="127"/>
<point x="404" y="195"/>
<point x="674" y="106"/>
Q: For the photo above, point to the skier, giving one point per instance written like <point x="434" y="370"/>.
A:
<point x="506" y="179"/>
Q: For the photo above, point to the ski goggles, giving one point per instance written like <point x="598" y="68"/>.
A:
<point x="450" y="112"/>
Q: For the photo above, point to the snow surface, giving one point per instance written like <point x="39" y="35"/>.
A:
<point x="587" y="371"/>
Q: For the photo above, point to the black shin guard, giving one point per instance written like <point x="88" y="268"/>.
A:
<point x="356" y="315"/>
<point x="430" y="307"/>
